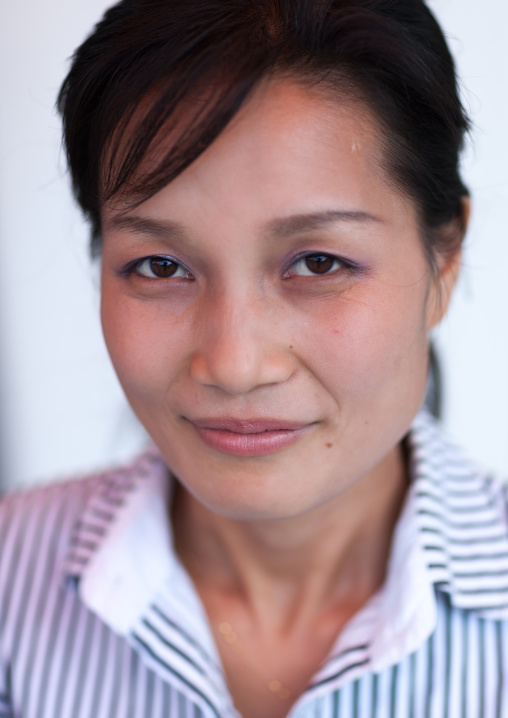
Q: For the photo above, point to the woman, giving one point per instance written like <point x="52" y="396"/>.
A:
<point x="273" y="190"/>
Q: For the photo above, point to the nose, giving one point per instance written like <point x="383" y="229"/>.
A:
<point x="241" y="347"/>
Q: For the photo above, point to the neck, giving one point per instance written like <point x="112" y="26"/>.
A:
<point x="289" y="569"/>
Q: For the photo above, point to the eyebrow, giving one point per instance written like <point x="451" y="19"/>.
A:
<point x="301" y="223"/>
<point x="277" y="228"/>
<point x="161" y="229"/>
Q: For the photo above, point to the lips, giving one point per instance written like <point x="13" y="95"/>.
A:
<point x="249" y="437"/>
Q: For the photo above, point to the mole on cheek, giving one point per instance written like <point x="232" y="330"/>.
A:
<point x="329" y="446"/>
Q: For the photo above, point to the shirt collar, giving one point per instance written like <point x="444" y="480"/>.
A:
<point x="461" y="512"/>
<point x="122" y="563"/>
<point x="452" y="537"/>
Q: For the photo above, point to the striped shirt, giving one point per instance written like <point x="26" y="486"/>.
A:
<point x="98" y="618"/>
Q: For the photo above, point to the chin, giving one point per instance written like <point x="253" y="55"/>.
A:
<point x="266" y="497"/>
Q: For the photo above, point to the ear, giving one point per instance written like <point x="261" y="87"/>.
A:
<point x="448" y="268"/>
<point x="441" y="289"/>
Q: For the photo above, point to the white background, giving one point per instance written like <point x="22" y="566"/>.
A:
<point x="61" y="410"/>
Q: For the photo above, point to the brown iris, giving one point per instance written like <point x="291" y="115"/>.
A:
<point x="162" y="267"/>
<point x="319" y="263"/>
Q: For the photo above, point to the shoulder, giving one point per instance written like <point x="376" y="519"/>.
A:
<point x="28" y="516"/>
<point x="461" y="512"/>
<point x="460" y="487"/>
<point x="436" y="455"/>
<point x="38" y="525"/>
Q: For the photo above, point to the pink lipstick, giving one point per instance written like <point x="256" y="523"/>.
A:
<point x="249" y="437"/>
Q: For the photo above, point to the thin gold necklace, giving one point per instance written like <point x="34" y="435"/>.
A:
<point x="274" y="686"/>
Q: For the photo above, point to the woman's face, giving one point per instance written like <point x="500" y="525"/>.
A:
<point x="267" y="311"/>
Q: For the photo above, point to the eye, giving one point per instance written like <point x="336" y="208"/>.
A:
<point x="316" y="264"/>
<point x="160" y="268"/>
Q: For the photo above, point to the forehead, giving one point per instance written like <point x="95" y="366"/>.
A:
<point x="289" y="145"/>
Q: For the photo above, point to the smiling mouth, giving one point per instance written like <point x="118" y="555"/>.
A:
<point x="252" y="437"/>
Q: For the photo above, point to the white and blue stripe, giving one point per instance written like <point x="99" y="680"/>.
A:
<point x="79" y="638"/>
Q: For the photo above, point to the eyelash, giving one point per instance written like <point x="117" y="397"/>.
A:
<point x="343" y="264"/>
<point x="134" y="267"/>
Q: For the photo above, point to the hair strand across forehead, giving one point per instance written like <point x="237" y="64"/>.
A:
<point x="183" y="69"/>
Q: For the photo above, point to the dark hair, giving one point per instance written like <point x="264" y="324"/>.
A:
<point x="206" y="56"/>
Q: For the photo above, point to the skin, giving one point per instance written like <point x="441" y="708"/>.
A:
<point x="286" y="546"/>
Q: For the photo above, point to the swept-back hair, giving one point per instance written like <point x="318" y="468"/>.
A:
<point x="155" y="69"/>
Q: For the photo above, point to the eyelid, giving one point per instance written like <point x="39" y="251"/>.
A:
<point x="131" y="267"/>
<point x="347" y="263"/>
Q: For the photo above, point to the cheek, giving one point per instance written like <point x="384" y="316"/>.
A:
<point x="370" y="339"/>
<point x="143" y="342"/>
